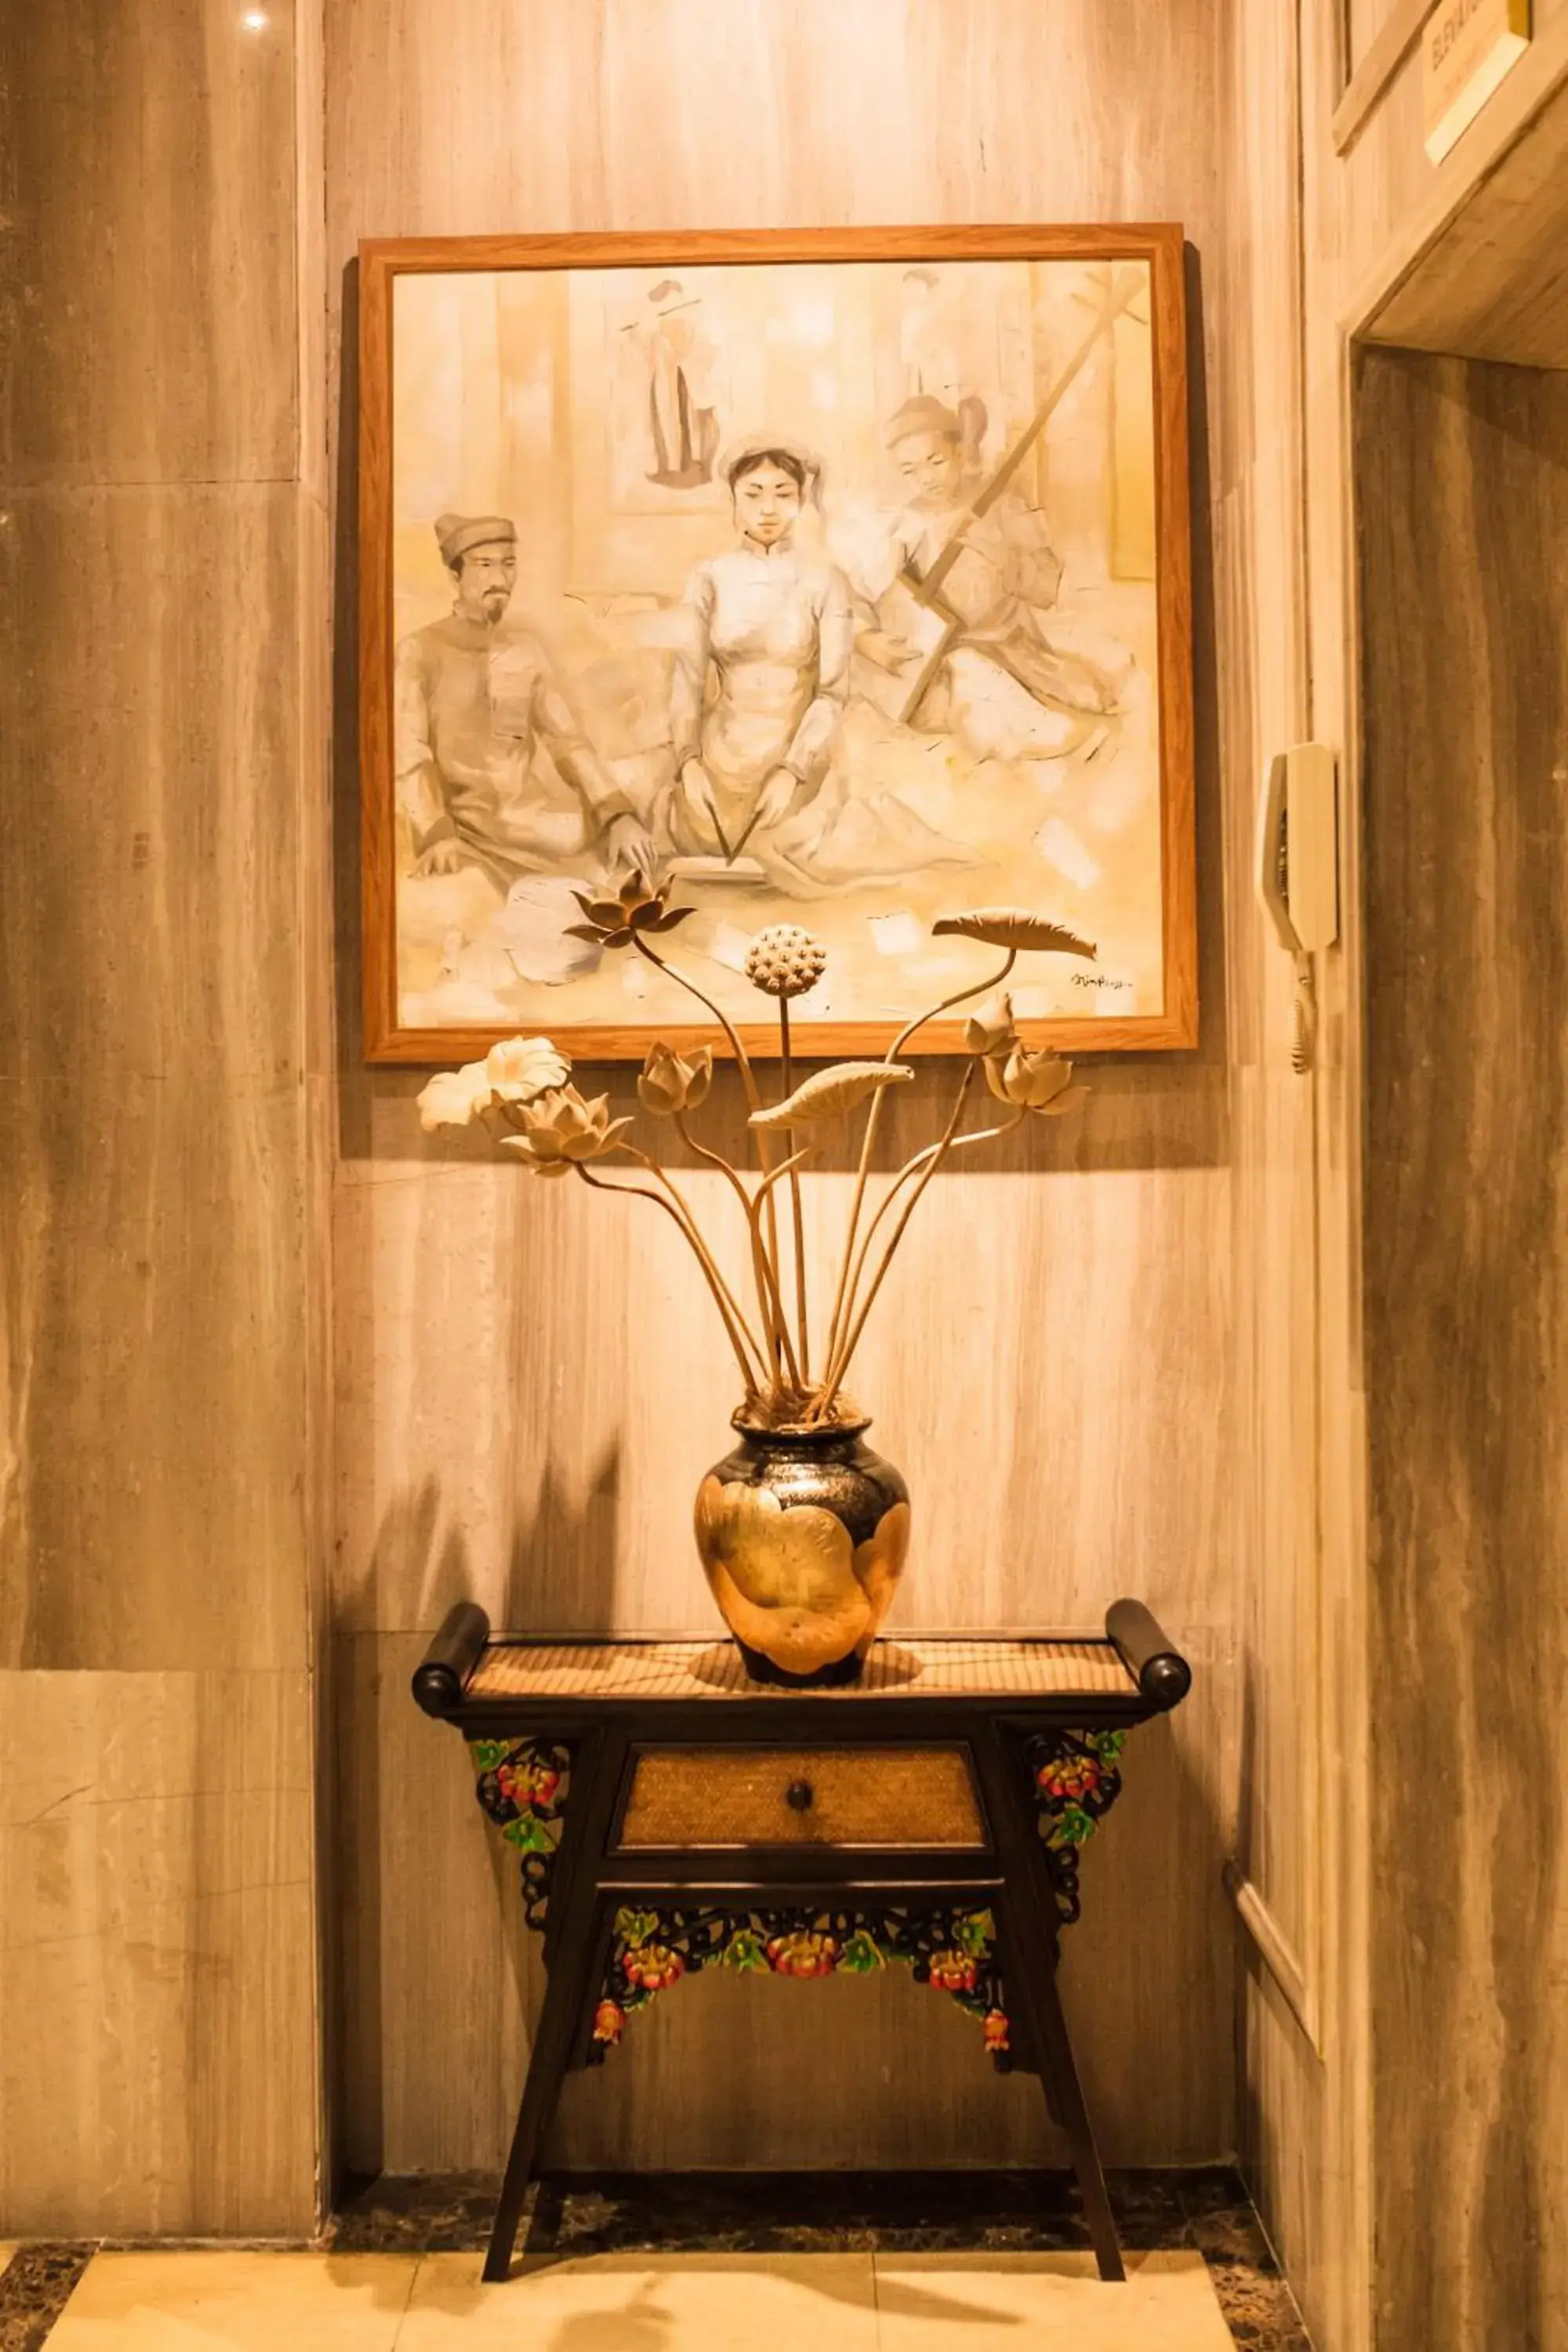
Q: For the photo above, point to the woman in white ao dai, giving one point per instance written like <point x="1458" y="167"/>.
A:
<point x="758" y="695"/>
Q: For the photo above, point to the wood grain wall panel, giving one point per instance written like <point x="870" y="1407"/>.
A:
<point x="528" y="1391"/>
<point x="1385" y="196"/>
<point x="1463" y="477"/>
<point x="1493" y="285"/>
<point x="156" y="1998"/>
<point x="147" y="257"/>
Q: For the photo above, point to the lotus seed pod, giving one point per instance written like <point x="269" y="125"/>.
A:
<point x="784" y="961"/>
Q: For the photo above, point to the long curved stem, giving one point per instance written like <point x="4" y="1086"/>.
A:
<point x="693" y="1233"/>
<point x="645" y="1192"/>
<point x="911" y="1167"/>
<point x="839" y="1320"/>
<point x="769" y="1302"/>
<point x="855" y="1323"/>
<point x="762" y="1200"/>
<point x="802" y="1325"/>
<point x="744" y="1060"/>
<point x="742" y="1063"/>
<point x="853" y="1330"/>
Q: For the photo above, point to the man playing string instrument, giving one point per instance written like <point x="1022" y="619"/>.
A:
<point x="977" y="657"/>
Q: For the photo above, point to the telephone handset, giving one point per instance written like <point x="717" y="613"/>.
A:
<point x="1297" y="870"/>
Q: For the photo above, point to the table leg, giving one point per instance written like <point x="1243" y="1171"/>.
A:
<point x="579" y="1948"/>
<point x="1062" y="2073"/>
<point x="1027" y="1931"/>
<point x="579" y="1959"/>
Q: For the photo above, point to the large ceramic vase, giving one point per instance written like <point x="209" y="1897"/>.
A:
<point x="803" y="1535"/>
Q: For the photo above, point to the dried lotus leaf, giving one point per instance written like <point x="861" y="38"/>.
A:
<point x="1014" y="927"/>
<point x="831" y="1092"/>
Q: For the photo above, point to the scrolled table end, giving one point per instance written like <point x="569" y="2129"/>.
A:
<point x="442" y="1673"/>
<point x="1151" y="1657"/>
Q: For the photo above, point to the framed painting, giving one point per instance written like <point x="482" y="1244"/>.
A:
<point x="834" y="578"/>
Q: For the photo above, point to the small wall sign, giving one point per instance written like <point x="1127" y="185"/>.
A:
<point x="1467" y="48"/>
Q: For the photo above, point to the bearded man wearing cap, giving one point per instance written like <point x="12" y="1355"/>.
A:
<point x="475" y="697"/>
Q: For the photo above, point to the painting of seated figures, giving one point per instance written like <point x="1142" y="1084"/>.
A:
<point x="836" y="580"/>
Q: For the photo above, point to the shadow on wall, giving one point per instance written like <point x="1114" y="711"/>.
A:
<point x="401" y="1779"/>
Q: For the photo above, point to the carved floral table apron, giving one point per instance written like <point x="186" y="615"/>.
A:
<point x="673" y="1815"/>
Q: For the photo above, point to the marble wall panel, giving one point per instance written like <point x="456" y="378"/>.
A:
<point x="161" y="998"/>
<point x="151" y="1036"/>
<point x="1297" y="1702"/>
<point x="157" y="2002"/>
<point x="1463" y="477"/>
<point x="148" y="256"/>
<point x="1378" y="221"/>
<point x="153" y="730"/>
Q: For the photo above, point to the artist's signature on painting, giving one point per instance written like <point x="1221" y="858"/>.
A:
<point x="1098" y="980"/>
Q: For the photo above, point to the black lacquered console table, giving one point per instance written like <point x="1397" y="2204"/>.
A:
<point x="670" y="1815"/>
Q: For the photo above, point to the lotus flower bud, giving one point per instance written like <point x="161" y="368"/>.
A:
<point x="669" y="1082"/>
<point x="991" y="1030"/>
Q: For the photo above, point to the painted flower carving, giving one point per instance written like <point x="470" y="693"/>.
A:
<point x="528" y="1783"/>
<point x="654" y="1968"/>
<point x="1069" y="1778"/>
<point x="559" y="1130"/>
<point x="952" y="1951"/>
<point x="671" y="1083"/>
<point x="953" y="1972"/>
<point x="803" y="1954"/>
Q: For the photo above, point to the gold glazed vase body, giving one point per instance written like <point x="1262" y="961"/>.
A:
<point x="803" y="1535"/>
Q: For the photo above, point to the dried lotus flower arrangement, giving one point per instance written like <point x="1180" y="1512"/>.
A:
<point x="523" y="1092"/>
<point x="792" y="1373"/>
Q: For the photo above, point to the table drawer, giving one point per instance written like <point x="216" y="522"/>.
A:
<point x="802" y="1796"/>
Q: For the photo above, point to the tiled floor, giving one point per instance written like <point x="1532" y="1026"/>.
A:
<point x="694" y="2264"/>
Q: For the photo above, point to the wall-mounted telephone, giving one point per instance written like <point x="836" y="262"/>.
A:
<point x="1298" y="869"/>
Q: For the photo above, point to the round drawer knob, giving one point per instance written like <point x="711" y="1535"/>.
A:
<point x="798" y="1796"/>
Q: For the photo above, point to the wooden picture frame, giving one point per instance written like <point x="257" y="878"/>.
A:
<point x="521" y="451"/>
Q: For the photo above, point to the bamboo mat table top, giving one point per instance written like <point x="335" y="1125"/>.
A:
<point x="912" y="1668"/>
